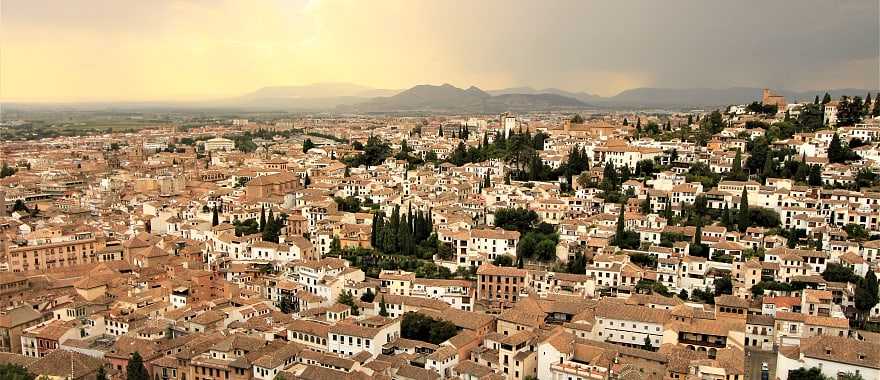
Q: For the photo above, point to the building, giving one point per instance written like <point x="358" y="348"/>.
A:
<point x="76" y="251"/>
<point x="219" y="144"/>
<point x="832" y="355"/>
<point x="349" y="337"/>
<point x="769" y="98"/>
<point x="500" y="284"/>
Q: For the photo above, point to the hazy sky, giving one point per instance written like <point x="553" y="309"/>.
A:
<point x="54" y="50"/>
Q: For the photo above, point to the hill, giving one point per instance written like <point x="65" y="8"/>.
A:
<point x="450" y="99"/>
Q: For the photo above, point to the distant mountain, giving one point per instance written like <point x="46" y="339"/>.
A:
<point x="318" y="91"/>
<point x="352" y="98"/>
<point x="448" y="98"/>
<point x="682" y="98"/>
<point x="318" y="96"/>
<point x="582" y="96"/>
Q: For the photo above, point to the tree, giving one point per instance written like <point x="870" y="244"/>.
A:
<point x="15" y="372"/>
<point x="876" y="111"/>
<point x="723" y="285"/>
<point x="807" y="374"/>
<point x="420" y="327"/>
<point x="621" y="226"/>
<point x="578" y="265"/>
<point x="815" y="177"/>
<point x="826" y="99"/>
<point x="866" y="294"/>
<point x="835" y="150"/>
<point x="368" y="296"/>
<point x="736" y="171"/>
<point x="215" y="217"/>
<point x="383" y="309"/>
<point x="647" y="345"/>
<point x="645" y="206"/>
<point x="577" y="119"/>
<point x="838" y="273"/>
<point x="19" y="206"/>
<point x="850" y="375"/>
<point x="335" y="246"/>
<point x="308" y="144"/>
<point x="683" y="294"/>
<point x="515" y="219"/>
<point x="503" y="261"/>
<point x="135" y="369"/>
<point x="856" y="231"/>
<point x="6" y="171"/>
<point x="286" y="305"/>
<point x="744" y="220"/>
<point x="101" y="375"/>
<point x="262" y="218"/>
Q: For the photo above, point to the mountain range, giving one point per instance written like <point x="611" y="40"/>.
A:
<point x="446" y="98"/>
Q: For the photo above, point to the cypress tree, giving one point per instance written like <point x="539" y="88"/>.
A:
<point x="135" y="369"/>
<point x="102" y="374"/>
<point x="621" y="225"/>
<point x="373" y="232"/>
<point x="826" y="99"/>
<point x="736" y="171"/>
<point x="383" y="310"/>
<point x="836" y="153"/>
<point x="876" y="111"/>
<point x="262" y="218"/>
<point x="744" y="219"/>
<point x="646" y="205"/>
<point x="215" y="218"/>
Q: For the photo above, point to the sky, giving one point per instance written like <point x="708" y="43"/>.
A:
<point x="127" y="50"/>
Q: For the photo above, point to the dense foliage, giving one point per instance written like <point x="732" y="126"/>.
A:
<point x="420" y="327"/>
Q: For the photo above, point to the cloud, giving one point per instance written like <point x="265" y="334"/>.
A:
<point x="188" y="49"/>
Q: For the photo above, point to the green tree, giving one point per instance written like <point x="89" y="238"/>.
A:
<point x="308" y="144"/>
<point x="645" y="206"/>
<point x="516" y="219"/>
<point x="6" y="171"/>
<point x="835" y="150"/>
<point x="135" y="369"/>
<point x="736" y="170"/>
<point x="503" y="261"/>
<point x="19" y="206"/>
<point x="866" y="295"/>
<point x="368" y="296"/>
<point x="723" y="285"/>
<point x="807" y="374"/>
<point x="826" y="99"/>
<point x="875" y="112"/>
<point x="262" y="218"/>
<point x="215" y="217"/>
<point x="850" y="375"/>
<point x="856" y="231"/>
<point x="15" y="372"/>
<point x="383" y="309"/>
<point x="621" y="226"/>
<point x="578" y="265"/>
<point x="101" y="375"/>
<point x="335" y="246"/>
<point x="647" y="345"/>
<point x="744" y="220"/>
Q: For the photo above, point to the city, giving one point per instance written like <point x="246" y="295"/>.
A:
<point x="342" y="231"/>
